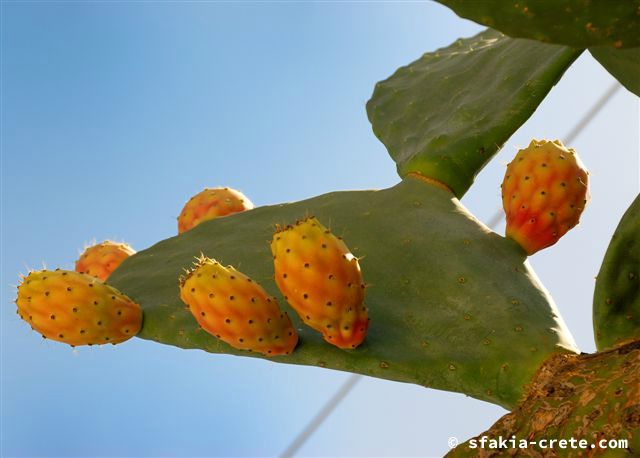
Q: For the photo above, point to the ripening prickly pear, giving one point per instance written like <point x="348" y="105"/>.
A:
<point x="234" y="308"/>
<point x="322" y="281"/>
<point x="544" y="192"/>
<point x="76" y="308"/>
<point x="209" y="204"/>
<point x="102" y="259"/>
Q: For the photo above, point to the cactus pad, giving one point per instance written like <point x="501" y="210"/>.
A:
<point x="453" y="306"/>
<point x="623" y="64"/>
<point x="616" y="300"/>
<point x="576" y="23"/>
<point x="446" y="114"/>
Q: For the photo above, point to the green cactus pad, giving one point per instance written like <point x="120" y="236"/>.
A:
<point x="616" y="300"/>
<point x="577" y="23"/>
<point x="623" y="64"/>
<point x="446" y="114"/>
<point x="453" y="306"/>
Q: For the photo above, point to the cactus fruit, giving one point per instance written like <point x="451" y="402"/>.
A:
<point x="234" y="308"/>
<point x="544" y="192"/>
<point x="322" y="281"/>
<point x="102" y="259"/>
<point x="76" y="308"/>
<point x="209" y="204"/>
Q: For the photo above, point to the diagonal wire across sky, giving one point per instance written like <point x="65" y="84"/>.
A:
<point x="347" y="387"/>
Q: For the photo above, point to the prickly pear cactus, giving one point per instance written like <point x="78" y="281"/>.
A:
<point x="453" y="305"/>
<point x="449" y="304"/>
<point x="616" y="300"/>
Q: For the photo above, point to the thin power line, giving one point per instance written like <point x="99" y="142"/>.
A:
<point x="321" y="416"/>
<point x="353" y="379"/>
<point x="495" y="219"/>
<point x="589" y="115"/>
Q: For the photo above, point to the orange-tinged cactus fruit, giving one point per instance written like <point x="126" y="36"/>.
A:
<point x="209" y="204"/>
<point x="76" y="308"/>
<point x="237" y="310"/>
<point x="545" y="190"/>
<point x="103" y="258"/>
<point x="322" y="281"/>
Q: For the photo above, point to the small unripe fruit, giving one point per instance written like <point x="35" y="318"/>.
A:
<point x="102" y="259"/>
<point x="322" y="281"/>
<point x="209" y="204"/>
<point x="237" y="310"/>
<point x="544" y="192"/>
<point x="76" y="308"/>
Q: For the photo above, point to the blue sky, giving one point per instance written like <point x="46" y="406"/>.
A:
<point x="114" y="114"/>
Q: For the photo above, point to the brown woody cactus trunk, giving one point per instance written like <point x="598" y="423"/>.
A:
<point x="588" y="396"/>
